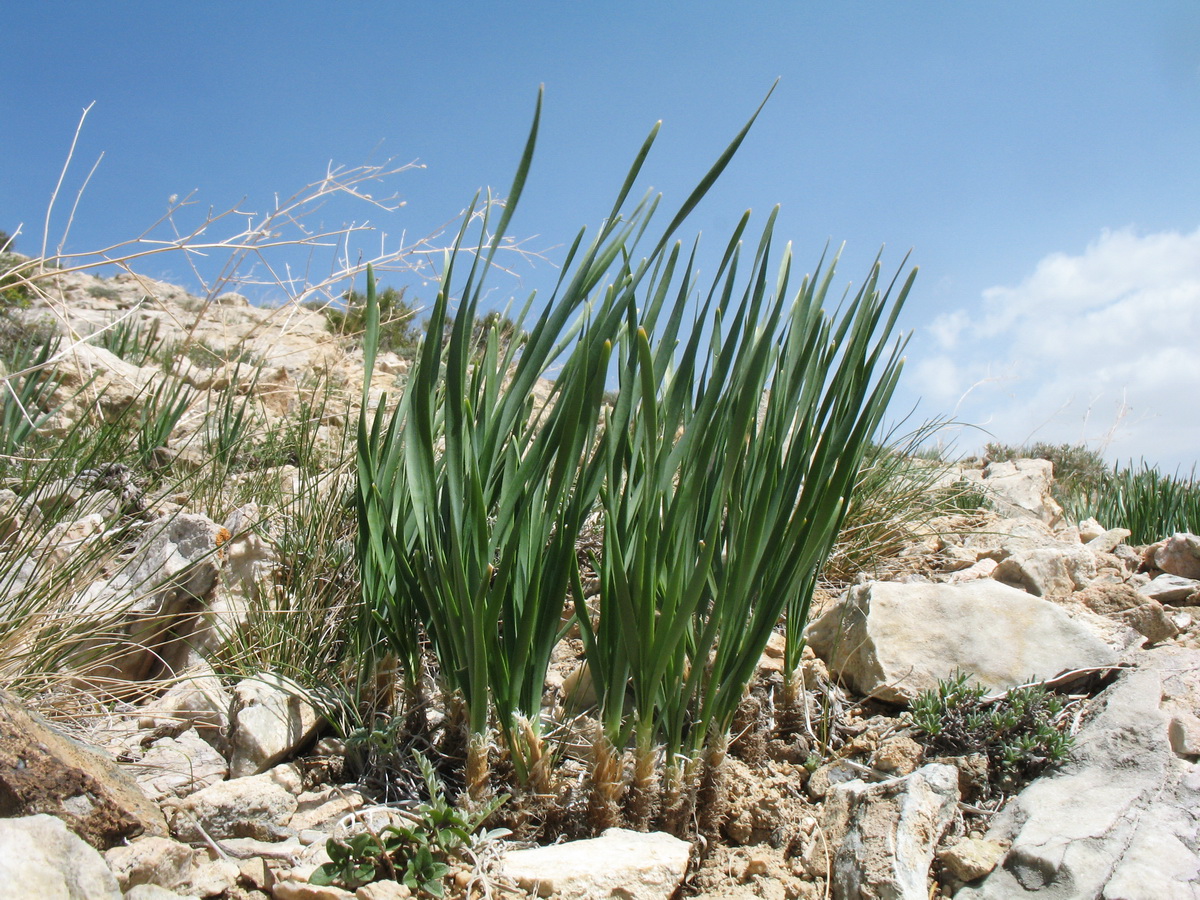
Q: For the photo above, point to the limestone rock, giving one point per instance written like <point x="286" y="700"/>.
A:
<point x="1023" y="484"/>
<point x="895" y="640"/>
<point x="885" y="833"/>
<point x="255" y="806"/>
<point x="619" y="864"/>
<point x="198" y="698"/>
<point x="1125" y="604"/>
<point x="302" y="890"/>
<point x="1115" y="821"/>
<point x="1048" y="571"/>
<point x="1179" y="555"/>
<point x="214" y="878"/>
<point x="323" y="809"/>
<point x="157" y="595"/>
<point x="985" y="568"/>
<point x="40" y="858"/>
<point x="271" y="718"/>
<point x="1000" y="537"/>
<point x="972" y="858"/>
<point x="1108" y="541"/>
<point x="177" y="766"/>
<point x="42" y="771"/>
<point x="828" y="775"/>
<point x="899" y="755"/>
<point x="383" y="890"/>
<point x="1184" y="734"/>
<point x="152" y="860"/>
<point x="1174" y="589"/>
<point x="154" y="892"/>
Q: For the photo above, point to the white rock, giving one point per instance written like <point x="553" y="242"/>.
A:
<point x="1109" y="540"/>
<point x="270" y="719"/>
<point x="619" y="864"/>
<point x="40" y="858"/>
<point x="302" y="890"/>
<point x="1023" y="484"/>
<point x="1116" y="821"/>
<point x="152" y="860"/>
<point x="982" y="569"/>
<point x="178" y="766"/>
<point x="1179" y="555"/>
<point x="215" y="877"/>
<point x="323" y="809"/>
<point x="1184" y="733"/>
<point x="1048" y="571"/>
<point x="255" y="806"/>
<point x="383" y="890"/>
<point x="197" y="697"/>
<point x="154" y="892"/>
<point x="1170" y="588"/>
<point x="173" y="568"/>
<point x="895" y="640"/>
<point x="972" y="858"/>
<point x="885" y="833"/>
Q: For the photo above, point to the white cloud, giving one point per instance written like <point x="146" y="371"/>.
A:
<point x="1102" y="347"/>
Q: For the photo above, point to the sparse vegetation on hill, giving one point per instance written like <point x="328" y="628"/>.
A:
<point x="1149" y="503"/>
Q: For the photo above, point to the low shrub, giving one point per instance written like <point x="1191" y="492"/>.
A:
<point x="1021" y="732"/>
<point x="399" y="332"/>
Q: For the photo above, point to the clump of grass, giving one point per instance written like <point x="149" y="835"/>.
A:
<point x="135" y="341"/>
<point x="900" y="485"/>
<point x="28" y="387"/>
<point x="470" y="498"/>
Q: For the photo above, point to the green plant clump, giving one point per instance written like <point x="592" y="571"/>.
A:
<point x="723" y="467"/>
<point x="417" y="855"/>
<point x="398" y="331"/>
<point x="1150" y="504"/>
<point x="15" y="290"/>
<point x="1021" y="732"/>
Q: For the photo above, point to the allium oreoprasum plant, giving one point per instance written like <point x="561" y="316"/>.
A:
<point x="729" y="462"/>
<point x="473" y="492"/>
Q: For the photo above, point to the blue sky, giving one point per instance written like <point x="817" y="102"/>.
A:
<point x="1039" y="159"/>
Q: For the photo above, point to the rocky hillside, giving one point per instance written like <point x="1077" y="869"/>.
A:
<point x="1006" y="705"/>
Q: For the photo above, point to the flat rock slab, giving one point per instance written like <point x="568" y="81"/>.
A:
<point x="43" y="771"/>
<point x="620" y="863"/>
<point x="893" y="641"/>
<point x="1119" y="821"/>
